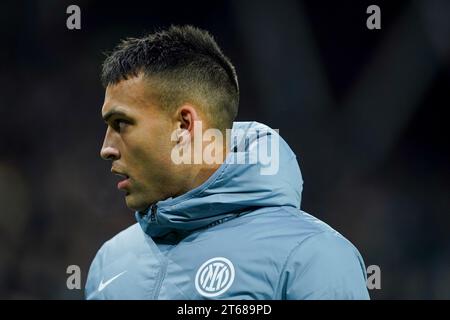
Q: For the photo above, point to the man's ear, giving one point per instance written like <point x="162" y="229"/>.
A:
<point x="187" y="115"/>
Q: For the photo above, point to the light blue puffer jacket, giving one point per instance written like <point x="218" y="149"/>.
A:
<point x="240" y="235"/>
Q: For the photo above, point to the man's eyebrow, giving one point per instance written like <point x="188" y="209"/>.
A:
<point x="113" y="112"/>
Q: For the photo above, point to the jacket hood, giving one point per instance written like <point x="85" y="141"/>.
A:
<point x="260" y="171"/>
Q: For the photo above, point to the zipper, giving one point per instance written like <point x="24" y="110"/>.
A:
<point x="161" y="275"/>
<point x="153" y="211"/>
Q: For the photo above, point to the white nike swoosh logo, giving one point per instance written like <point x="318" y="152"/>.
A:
<point x="103" y="285"/>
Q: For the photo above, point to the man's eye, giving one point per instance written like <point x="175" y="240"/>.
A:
<point x="119" y="124"/>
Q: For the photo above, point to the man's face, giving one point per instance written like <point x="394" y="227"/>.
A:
<point x="138" y="142"/>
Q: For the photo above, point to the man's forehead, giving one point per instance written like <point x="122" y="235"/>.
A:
<point x="126" y="89"/>
<point x="128" y="93"/>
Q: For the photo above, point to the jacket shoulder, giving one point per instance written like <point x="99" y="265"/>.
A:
<point x="322" y="264"/>
<point x="113" y="255"/>
<point x="125" y="239"/>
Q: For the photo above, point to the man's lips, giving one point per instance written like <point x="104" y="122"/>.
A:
<point x="123" y="184"/>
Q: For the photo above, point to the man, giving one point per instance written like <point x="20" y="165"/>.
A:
<point x="222" y="229"/>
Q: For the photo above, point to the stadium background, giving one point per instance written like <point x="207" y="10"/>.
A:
<point x="366" y="111"/>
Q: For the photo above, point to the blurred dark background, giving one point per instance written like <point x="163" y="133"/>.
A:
<point x="366" y="111"/>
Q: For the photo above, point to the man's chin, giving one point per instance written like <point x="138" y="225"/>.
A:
<point x="134" y="204"/>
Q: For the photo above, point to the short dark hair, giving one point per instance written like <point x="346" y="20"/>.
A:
<point x="187" y="66"/>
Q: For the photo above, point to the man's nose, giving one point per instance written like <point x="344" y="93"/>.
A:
<point x="109" y="153"/>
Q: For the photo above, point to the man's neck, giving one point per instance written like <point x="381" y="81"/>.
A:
<point x="206" y="171"/>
